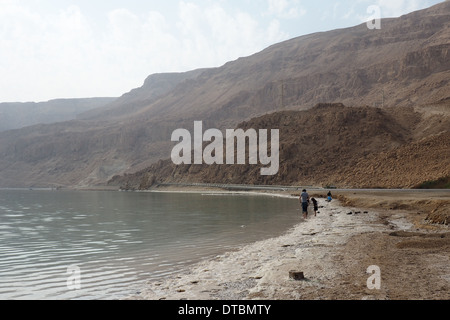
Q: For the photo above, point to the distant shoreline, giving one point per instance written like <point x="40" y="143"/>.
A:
<point x="425" y="201"/>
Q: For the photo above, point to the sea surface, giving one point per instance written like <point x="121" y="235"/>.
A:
<point x="104" y="245"/>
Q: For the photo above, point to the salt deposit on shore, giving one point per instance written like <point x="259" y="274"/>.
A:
<point x="334" y="251"/>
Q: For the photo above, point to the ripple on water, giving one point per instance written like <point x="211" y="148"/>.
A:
<point x="120" y="240"/>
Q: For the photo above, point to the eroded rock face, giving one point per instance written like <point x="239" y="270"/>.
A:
<point x="403" y="65"/>
<point x="331" y="144"/>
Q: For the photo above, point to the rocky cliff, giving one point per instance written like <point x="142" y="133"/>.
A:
<point x="331" y="144"/>
<point x="403" y="65"/>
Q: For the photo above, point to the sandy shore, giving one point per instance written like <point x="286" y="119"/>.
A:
<point x="334" y="251"/>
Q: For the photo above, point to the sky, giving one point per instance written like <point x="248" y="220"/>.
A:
<point x="53" y="49"/>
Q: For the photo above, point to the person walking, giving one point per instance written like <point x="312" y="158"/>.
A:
<point x="316" y="207"/>
<point x="304" y="200"/>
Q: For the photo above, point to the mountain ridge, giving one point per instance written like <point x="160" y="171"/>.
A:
<point x="404" y="65"/>
<point x="330" y="144"/>
<point x="16" y="115"/>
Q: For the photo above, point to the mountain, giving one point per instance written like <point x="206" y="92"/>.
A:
<point x="330" y="144"/>
<point x="403" y="66"/>
<point x="90" y="149"/>
<point x="18" y="115"/>
<point x="155" y="86"/>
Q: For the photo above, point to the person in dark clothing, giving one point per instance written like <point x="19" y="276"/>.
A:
<point x="329" y="196"/>
<point x="314" y="201"/>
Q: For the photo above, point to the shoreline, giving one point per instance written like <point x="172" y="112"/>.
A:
<point x="333" y="250"/>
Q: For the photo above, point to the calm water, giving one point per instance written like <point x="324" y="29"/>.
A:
<point x="120" y="240"/>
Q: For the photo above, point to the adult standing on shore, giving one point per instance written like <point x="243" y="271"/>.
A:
<point x="304" y="200"/>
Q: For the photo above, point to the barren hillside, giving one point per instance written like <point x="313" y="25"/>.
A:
<point x="404" y="65"/>
<point x="362" y="147"/>
<point x="19" y="115"/>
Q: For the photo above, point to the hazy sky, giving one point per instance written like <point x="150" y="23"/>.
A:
<point x="88" y="48"/>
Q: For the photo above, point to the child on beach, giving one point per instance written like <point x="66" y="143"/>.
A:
<point x="314" y="201"/>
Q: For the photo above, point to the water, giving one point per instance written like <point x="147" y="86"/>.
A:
<point x="118" y="240"/>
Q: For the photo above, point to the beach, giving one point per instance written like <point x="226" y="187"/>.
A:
<point x="336" y="252"/>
